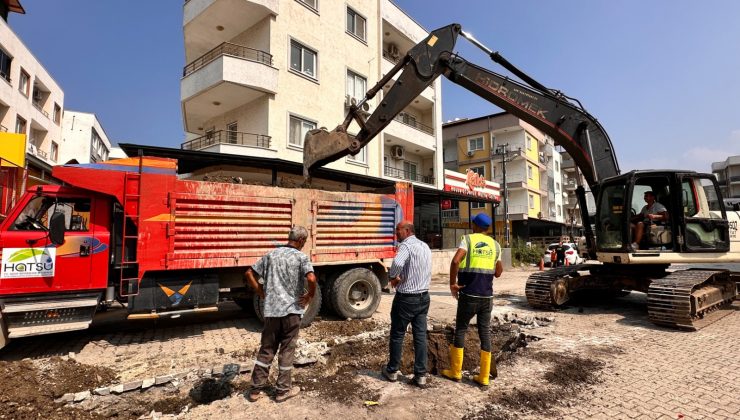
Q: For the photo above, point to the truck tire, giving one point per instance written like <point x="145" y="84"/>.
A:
<point x="356" y="293"/>
<point x="308" y="316"/>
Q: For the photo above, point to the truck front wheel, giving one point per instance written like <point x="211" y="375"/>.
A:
<point x="308" y="316"/>
<point x="356" y="293"/>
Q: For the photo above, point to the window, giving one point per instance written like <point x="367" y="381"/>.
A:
<point x="531" y="201"/>
<point x="475" y="143"/>
<point x="529" y="143"/>
<point x="560" y="210"/>
<point x="5" y="61"/>
<point x="298" y="129"/>
<point x="360" y="157"/>
<point x="302" y="59"/>
<point x="557" y="187"/>
<point x="356" y="85"/>
<point x="529" y="172"/>
<point x="409" y="169"/>
<point x="98" y="150"/>
<point x="54" y="151"/>
<point x="57" y="113"/>
<point x="25" y="83"/>
<point x="557" y="166"/>
<point x="480" y="170"/>
<point x="231" y="132"/>
<point x="38" y="211"/>
<point x="20" y="125"/>
<point x="355" y="24"/>
<point x="475" y="205"/>
<point x="311" y="4"/>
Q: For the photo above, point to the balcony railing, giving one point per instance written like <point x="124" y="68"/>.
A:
<point x="410" y="120"/>
<point x="41" y="110"/>
<point x="512" y="210"/>
<point x="227" y="137"/>
<point x="407" y="175"/>
<point x="451" y="215"/>
<point x="387" y="55"/>
<point x="229" y="49"/>
<point x="3" y="128"/>
<point x="34" y="150"/>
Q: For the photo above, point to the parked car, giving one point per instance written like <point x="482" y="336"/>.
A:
<point x="571" y="254"/>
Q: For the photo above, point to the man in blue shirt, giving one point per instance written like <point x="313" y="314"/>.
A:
<point x="410" y="274"/>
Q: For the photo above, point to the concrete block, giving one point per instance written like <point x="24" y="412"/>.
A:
<point x="245" y="368"/>
<point x="118" y="389"/>
<point x="130" y="386"/>
<point x="67" y="398"/>
<point x="101" y="391"/>
<point x="81" y="396"/>
<point x="161" y="380"/>
<point x="180" y="375"/>
<point x="147" y="383"/>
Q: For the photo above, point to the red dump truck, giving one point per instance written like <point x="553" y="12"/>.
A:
<point x="130" y="231"/>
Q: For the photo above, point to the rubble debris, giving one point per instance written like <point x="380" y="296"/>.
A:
<point x="309" y="353"/>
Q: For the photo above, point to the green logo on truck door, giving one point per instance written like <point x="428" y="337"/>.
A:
<point x="28" y="262"/>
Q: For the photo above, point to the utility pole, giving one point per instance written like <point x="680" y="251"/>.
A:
<point x="506" y="156"/>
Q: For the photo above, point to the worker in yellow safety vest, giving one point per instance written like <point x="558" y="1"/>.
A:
<point x="476" y="262"/>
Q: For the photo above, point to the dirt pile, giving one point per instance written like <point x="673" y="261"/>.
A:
<point x="328" y="330"/>
<point x="27" y="391"/>
<point x="567" y="375"/>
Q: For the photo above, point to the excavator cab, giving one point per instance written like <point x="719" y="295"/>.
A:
<point x="695" y="220"/>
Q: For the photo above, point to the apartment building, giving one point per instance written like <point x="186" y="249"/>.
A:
<point x="31" y="104"/>
<point x="83" y="139"/>
<point x="728" y="176"/>
<point x="262" y="73"/>
<point x="498" y="143"/>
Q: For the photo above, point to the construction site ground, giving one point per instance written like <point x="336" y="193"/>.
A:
<point x="594" y="359"/>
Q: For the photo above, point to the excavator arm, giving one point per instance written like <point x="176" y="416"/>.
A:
<point x="550" y="111"/>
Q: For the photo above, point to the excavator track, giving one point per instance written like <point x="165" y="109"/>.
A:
<point x="549" y="289"/>
<point x="690" y="299"/>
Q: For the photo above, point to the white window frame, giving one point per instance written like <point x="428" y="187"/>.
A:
<point x="530" y="172"/>
<point x="308" y="5"/>
<point x="531" y="201"/>
<point x="412" y="175"/>
<point x="480" y="170"/>
<point x="232" y="135"/>
<point x="473" y="143"/>
<point x="306" y="125"/>
<point x="360" y="158"/>
<point x="529" y="141"/>
<point x="352" y="13"/>
<point x="54" y="152"/>
<point x="355" y="77"/>
<point x="303" y="50"/>
<point x="24" y="83"/>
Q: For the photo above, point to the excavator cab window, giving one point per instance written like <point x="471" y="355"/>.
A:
<point x="705" y="222"/>
<point x="611" y="217"/>
<point x="658" y="233"/>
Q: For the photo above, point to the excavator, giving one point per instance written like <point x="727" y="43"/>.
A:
<point x="699" y="231"/>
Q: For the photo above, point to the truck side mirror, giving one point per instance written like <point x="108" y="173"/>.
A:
<point x="56" y="228"/>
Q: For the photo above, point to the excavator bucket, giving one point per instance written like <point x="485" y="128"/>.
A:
<point x="321" y="147"/>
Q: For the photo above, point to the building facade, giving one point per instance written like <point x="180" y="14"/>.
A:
<point x="728" y="176"/>
<point x="83" y="139"/>
<point x="31" y="104"/>
<point x="502" y="143"/>
<point x="262" y="73"/>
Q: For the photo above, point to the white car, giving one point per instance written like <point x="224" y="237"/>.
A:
<point x="571" y="253"/>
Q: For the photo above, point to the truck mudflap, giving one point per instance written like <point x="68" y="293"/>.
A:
<point x="37" y="315"/>
<point x="3" y="333"/>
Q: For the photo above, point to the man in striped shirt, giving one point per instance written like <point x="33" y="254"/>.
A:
<point x="410" y="274"/>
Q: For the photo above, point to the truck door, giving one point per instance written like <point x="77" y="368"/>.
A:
<point x="705" y="224"/>
<point x="31" y="263"/>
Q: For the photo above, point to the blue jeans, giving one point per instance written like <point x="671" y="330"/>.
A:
<point x="409" y="309"/>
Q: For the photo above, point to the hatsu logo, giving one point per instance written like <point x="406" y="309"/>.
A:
<point x="474" y="180"/>
<point x="28" y="262"/>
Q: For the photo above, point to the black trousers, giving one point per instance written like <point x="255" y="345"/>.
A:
<point x="279" y="335"/>
<point x="468" y="307"/>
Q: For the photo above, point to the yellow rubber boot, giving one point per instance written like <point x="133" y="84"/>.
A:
<point x="485" y="368"/>
<point x="456" y="360"/>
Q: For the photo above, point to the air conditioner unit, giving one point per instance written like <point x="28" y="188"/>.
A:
<point x="397" y="152"/>
<point x="471" y="153"/>
<point x="393" y="51"/>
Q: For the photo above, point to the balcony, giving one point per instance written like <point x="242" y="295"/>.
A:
<point x="407" y="175"/>
<point x="35" y="151"/>
<point x="228" y="138"/>
<point x="222" y="79"/>
<point x="210" y="22"/>
<point x="409" y="120"/>
<point x="37" y="105"/>
<point x="451" y="215"/>
<point x="229" y="49"/>
<point x="570" y="185"/>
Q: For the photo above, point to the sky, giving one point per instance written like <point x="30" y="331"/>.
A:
<point x="662" y="76"/>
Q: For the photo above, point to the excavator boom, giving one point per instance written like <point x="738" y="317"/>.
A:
<point x="553" y="113"/>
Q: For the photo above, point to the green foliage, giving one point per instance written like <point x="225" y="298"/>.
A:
<point x="521" y="254"/>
